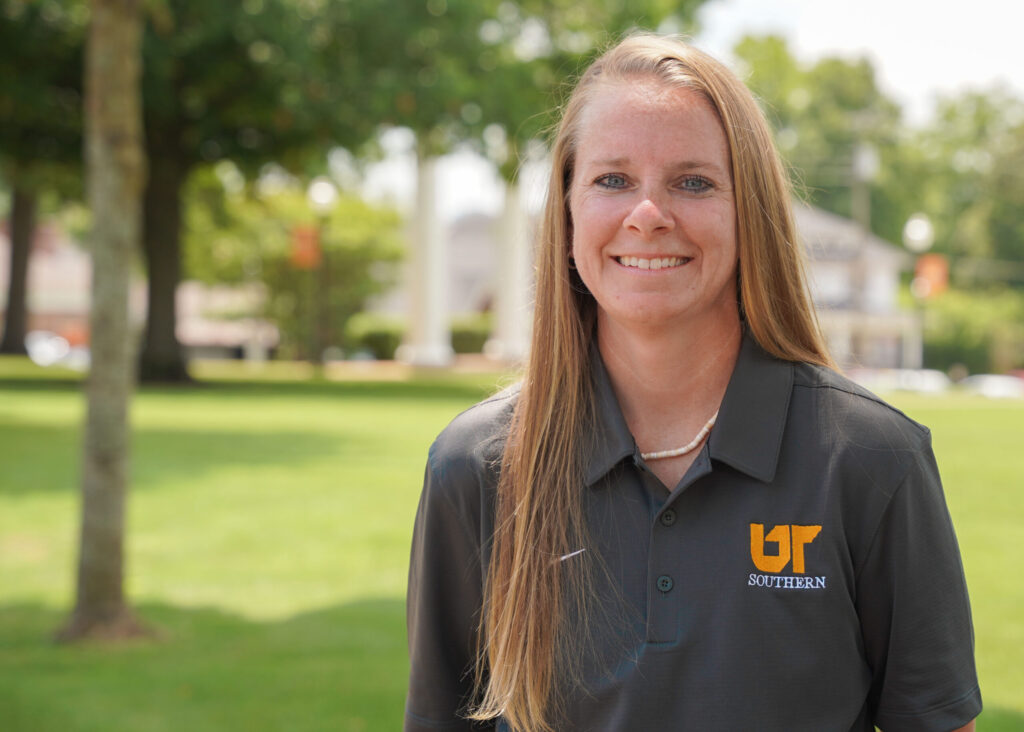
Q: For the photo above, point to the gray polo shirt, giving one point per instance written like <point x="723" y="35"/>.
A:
<point x="803" y="575"/>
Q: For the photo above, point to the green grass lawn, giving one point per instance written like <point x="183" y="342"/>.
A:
<point x="269" y="528"/>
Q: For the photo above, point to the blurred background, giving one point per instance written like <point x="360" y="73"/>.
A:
<point x="335" y="259"/>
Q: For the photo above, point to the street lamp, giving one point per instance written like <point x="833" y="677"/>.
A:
<point x="918" y="237"/>
<point x="864" y="169"/>
<point x="322" y="194"/>
<point x="918" y="233"/>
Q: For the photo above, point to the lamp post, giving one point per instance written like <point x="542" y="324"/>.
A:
<point x="864" y="169"/>
<point x="322" y="194"/>
<point x="918" y="237"/>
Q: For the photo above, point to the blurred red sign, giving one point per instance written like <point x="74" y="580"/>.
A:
<point x="931" y="275"/>
<point x="305" y="247"/>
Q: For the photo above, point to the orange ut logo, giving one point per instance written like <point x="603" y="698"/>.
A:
<point x="791" y="540"/>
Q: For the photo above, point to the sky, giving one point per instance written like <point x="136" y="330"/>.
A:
<point x="920" y="50"/>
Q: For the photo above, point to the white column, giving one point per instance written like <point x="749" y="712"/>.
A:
<point x="913" y="341"/>
<point x="839" y="334"/>
<point x="513" y="296"/>
<point x="428" y="341"/>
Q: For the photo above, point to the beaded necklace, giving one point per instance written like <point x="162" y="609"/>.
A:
<point x="689" y="447"/>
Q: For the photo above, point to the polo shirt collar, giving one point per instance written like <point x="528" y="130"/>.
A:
<point x="611" y="441"/>
<point x="747" y="435"/>
<point x="752" y="418"/>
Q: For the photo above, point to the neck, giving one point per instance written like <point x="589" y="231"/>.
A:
<point x="669" y="383"/>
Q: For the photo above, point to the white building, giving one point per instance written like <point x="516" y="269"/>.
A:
<point x="854" y="277"/>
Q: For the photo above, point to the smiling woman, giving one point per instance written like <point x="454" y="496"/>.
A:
<point x="651" y="198"/>
<point x="684" y="518"/>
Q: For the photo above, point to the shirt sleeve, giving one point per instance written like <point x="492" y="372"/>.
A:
<point x="915" y="614"/>
<point x="443" y="605"/>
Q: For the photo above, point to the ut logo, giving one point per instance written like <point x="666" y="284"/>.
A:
<point x="791" y="540"/>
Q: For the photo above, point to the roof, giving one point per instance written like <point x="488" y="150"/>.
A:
<point x="828" y="237"/>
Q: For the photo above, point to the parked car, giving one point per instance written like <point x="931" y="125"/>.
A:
<point x="994" y="386"/>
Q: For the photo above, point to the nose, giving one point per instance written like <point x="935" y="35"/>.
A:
<point x="649" y="217"/>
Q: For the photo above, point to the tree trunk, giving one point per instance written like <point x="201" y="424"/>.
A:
<point x="115" y="175"/>
<point x="162" y="357"/>
<point x="23" y="227"/>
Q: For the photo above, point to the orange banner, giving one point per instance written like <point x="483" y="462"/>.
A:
<point x="305" y="247"/>
<point x="931" y="275"/>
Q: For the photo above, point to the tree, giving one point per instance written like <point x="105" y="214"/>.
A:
<point x="251" y="237"/>
<point x="266" y="80"/>
<point x="40" y="128"/>
<point x="115" y="172"/>
<point x="260" y="81"/>
<point x="968" y="164"/>
<point x="22" y="229"/>
<point x="284" y="80"/>
<point x="825" y="114"/>
<point x="962" y="168"/>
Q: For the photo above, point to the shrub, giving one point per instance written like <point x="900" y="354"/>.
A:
<point x="382" y="334"/>
<point x="470" y="332"/>
<point x="379" y="334"/>
<point x="983" y="330"/>
<point x="351" y="254"/>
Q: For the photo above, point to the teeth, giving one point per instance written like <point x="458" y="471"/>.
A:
<point x="655" y="263"/>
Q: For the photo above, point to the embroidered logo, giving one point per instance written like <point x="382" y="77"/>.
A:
<point x="791" y="542"/>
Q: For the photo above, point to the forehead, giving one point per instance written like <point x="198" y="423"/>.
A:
<point x="645" y="117"/>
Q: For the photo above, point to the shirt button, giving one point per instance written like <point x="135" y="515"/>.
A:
<point x="664" y="583"/>
<point x="668" y="517"/>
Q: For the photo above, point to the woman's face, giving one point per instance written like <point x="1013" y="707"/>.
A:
<point x="653" y="212"/>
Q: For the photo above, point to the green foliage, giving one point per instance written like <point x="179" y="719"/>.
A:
<point x="246" y="237"/>
<point x="252" y="82"/>
<point x="470" y="332"/>
<point x="382" y="334"/>
<point x="532" y="51"/>
<point x="821" y="113"/>
<point x="41" y="71"/>
<point x="982" y="330"/>
<point x="972" y="169"/>
<point x="963" y="169"/>
<point x="356" y="241"/>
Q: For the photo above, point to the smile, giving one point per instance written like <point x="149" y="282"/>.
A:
<point x="656" y="263"/>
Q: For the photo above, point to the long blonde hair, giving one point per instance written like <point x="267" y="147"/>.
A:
<point x="529" y="651"/>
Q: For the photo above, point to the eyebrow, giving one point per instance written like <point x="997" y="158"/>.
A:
<point x="682" y="166"/>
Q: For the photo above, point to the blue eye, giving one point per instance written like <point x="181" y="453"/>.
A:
<point x="612" y="180"/>
<point x="695" y="184"/>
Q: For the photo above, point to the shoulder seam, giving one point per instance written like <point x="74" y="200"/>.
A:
<point x="503" y="395"/>
<point x="470" y="536"/>
<point x="922" y="430"/>
<point x="878" y="527"/>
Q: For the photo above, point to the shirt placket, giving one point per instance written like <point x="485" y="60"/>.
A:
<point x="667" y="559"/>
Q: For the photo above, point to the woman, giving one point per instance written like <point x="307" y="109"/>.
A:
<point x="684" y="518"/>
